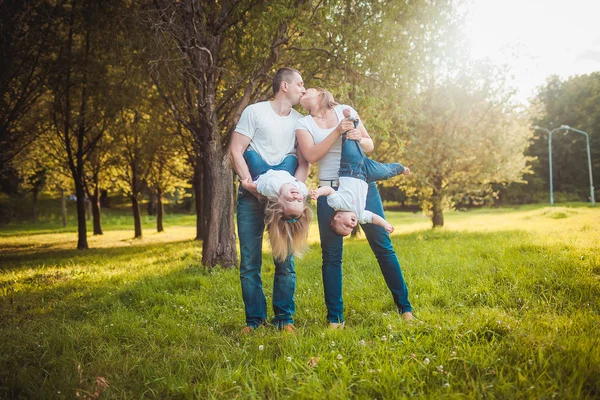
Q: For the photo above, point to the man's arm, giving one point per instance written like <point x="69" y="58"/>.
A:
<point x="237" y="147"/>
<point x="303" y="167"/>
<point x="377" y="220"/>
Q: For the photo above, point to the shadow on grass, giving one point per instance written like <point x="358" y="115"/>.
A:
<point x="20" y="259"/>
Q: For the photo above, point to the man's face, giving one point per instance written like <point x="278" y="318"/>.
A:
<point x="345" y="222"/>
<point x="295" y="89"/>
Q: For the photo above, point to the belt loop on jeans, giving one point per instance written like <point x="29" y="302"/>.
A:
<point x="333" y="184"/>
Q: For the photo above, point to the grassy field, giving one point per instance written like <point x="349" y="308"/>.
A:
<point x="507" y="300"/>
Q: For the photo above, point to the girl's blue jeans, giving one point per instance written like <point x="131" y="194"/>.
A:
<point x="251" y="225"/>
<point x="355" y="164"/>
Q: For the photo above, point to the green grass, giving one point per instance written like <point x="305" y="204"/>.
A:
<point x="507" y="300"/>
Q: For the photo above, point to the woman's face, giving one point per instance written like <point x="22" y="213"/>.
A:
<point x="310" y="99"/>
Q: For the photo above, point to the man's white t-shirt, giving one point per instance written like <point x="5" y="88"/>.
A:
<point x="272" y="136"/>
<point x="329" y="165"/>
<point x="269" y="184"/>
<point x="352" y="196"/>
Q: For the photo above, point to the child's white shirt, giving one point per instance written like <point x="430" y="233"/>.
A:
<point x="352" y="196"/>
<point x="269" y="184"/>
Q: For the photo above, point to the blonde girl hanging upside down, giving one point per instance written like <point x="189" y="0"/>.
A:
<point x="287" y="214"/>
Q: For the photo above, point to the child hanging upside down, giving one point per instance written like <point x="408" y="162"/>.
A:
<point x="287" y="214"/>
<point x="356" y="172"/>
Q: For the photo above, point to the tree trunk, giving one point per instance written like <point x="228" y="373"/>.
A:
<point x="63" y="207"/>
<point x="34" y="196"/>
<point x="88" y="208"/>
<point x="82" y="243"/>
<point x="137" y="219"/>
<point x="437" y="200"/>
<point x="151" y="205"/>
<point x="160" y="211"/>
<point x="219" y="240"/>
<point x="198" y="184"/>
<point x="96" y="215"/>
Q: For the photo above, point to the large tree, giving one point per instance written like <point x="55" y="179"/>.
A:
<point x="207" y="99"/>
<point x="88" y="78"/>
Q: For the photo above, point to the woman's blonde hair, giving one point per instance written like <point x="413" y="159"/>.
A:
<point x="286" y="235"/>
<point x="327" y="101"/>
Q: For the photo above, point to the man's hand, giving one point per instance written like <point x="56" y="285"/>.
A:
<point x="250" y="186"/>
<point x="406" y="171"/>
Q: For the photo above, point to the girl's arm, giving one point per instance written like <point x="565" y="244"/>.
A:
<point x="303" y="167"/>
<point x="314" y="152"/>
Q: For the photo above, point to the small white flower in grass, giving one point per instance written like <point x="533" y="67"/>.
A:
<point x="332" y="343"/>
<point x="391" y="337"/>
<point x="289" y="359"/>
<point x="362" y="343"/>
<point x="389" y="327"/>
<point x="210" y="328"/>
<point x="440" y="368"/>
<point x="453" y="354"/>
<point x="426" y="361"/>
<point x="446" y="385"/>
<point x="339" y="357"/>
<point x="261" y="347"/>
<point x="384" y="338"/>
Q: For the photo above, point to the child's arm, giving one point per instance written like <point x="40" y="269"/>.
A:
<point x="322" y="191"/>
<point x="377" y="220"/>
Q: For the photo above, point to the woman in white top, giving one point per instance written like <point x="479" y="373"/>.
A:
<point x="319" y="140"/>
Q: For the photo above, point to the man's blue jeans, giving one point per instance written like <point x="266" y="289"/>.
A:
<point x="355" y="164"/>
<point x="251" y="225"/>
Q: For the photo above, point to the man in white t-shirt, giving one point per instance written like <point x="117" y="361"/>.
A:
<point x="267" y="128"/>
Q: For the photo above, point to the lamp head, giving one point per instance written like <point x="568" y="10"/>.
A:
<point x="565" y="126"/>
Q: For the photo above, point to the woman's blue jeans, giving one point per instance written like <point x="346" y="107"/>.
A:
<point x="251" y="225"/>
<point x="381" y="244"/>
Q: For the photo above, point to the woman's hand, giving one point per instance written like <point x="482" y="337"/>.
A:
<point x="354" y="134"/>
<point x="344" y="126"/>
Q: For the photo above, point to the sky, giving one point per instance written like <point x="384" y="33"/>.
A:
<point x="536" y="38"/>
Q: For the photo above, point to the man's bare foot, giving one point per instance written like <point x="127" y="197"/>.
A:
<point x="408" y="316"/>
<point x="247" y="329"/>
<point x="289" y="328"/>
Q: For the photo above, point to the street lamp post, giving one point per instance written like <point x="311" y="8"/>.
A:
<point x="589" y="157"/>
<point x="550" y="132"/>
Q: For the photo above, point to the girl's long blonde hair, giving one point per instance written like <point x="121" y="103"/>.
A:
<point x="286" y="235"/>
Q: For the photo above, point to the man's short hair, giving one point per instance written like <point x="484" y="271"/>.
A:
<point x="283" y="74"/>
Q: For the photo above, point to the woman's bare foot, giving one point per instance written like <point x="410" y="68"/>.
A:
<point x="407" y="316"/>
